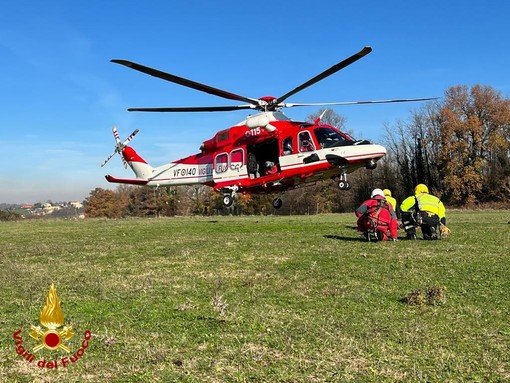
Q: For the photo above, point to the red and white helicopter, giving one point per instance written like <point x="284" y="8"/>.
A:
<point x="265" y="153"/>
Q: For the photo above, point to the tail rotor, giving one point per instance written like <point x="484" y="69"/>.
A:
<point x="119" y="146"/>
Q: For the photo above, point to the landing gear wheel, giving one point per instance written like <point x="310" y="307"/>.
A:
<point x="277" y="203"/>
<point x="344" y="185"/>
<point x="228" y="200"/>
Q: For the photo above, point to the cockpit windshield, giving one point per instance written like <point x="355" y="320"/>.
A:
<point x="328" y="138"/>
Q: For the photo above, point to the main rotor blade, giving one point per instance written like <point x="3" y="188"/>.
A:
<point x="326" y="73"/>
<point x="193" y="108"/>
<point x="185" y="82"/>
<point x="290" y="105"/>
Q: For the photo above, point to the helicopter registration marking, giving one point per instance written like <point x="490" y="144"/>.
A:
<point x="185" y="172"/>
<point x="192" y="171"/>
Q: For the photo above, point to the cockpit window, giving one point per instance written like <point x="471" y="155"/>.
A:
<point x="305" y="142"/>
<point x="328" y="138"/>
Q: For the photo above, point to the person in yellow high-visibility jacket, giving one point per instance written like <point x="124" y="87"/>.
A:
<point x="392" y="201"/>
<point x="424" y="210"/>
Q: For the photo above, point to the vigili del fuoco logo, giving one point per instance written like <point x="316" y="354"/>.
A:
<point x="51" y="336"/>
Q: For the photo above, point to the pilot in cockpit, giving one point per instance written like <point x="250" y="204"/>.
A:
<point x="306" y="144"/>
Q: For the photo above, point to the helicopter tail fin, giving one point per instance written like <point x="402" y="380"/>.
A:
<point x="141" y="168"/>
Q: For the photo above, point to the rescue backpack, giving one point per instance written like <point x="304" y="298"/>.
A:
<point x="372" y="220"/>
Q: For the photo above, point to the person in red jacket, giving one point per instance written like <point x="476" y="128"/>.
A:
<point x="376" y="218"/>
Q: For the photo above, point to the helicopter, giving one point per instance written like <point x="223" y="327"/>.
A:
<point x="267" y="152"/>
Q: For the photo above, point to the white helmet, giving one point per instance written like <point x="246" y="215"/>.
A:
<point x="377" y="192"/>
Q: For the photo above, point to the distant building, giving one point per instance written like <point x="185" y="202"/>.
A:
<point x="76" y="204"/>
<point x="48" y="208"/>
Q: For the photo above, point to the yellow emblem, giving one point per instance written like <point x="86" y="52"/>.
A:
<point x="52" y="317"/>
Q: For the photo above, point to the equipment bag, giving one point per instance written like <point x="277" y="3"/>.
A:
<point x="372" y="216"/>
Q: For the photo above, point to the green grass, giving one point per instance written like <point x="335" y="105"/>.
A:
<point x="259" y="299"/>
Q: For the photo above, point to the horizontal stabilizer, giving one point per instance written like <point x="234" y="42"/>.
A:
<point x="130" y="181"/>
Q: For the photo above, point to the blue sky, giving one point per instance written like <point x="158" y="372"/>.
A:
<point x="60" y="95"/>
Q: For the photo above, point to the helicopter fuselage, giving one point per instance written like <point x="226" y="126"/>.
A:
<point x="262" y="159"/>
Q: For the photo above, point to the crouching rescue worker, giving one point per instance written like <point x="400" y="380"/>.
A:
<point x="376" y="218"/>
<point x="424" y="210"/>
<point x="392" y="201"/>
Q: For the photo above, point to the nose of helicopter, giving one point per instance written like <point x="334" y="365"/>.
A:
<point x="381" y="150"/>
<point x="366" y="152"/>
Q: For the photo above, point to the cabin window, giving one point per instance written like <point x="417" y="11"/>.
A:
<point x="236" y="159"/>
<point x="222" y="136"/>
<point x="305" y="142"/>
<point x="287" y="146"/>
<point x="221" y="163"/>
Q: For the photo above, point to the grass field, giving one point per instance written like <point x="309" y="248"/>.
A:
<point x="258" y="299"/>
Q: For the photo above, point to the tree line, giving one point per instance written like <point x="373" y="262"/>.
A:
<point x="459" y="146"/>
